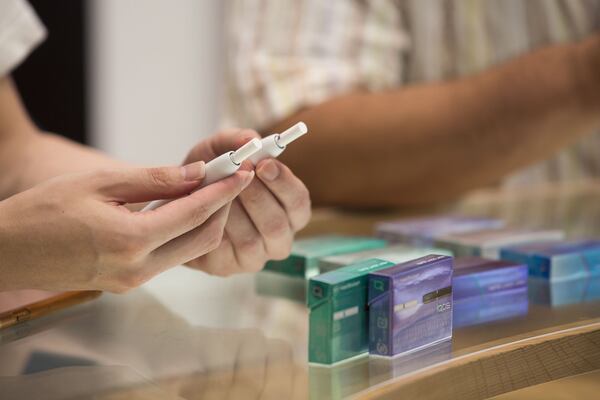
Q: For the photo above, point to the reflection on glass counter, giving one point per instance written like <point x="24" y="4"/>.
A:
<point x="490" y="307"/>
<point x="561" y="293"/>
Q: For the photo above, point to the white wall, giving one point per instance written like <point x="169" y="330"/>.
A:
<point x="154" y="66"/>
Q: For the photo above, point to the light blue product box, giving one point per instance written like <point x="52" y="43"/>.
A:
<point x="494" y="306"/>
<point x="304" y="258"/>
<point x="338" y="318"/>
<point x="396" y="254"/>
<point x="564" y="292"/>
<point x="487" y="243"/>
<point x="475" y="276"/>
<point x="423" y="231"/>
<point x="410" y="305"/>
<point x="562" y="261"/>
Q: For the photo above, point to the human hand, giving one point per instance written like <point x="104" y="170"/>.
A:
<point x="73" y="231"/>
<point x="263" y="218"/>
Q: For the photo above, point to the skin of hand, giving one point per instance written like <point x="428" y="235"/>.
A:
<point x="431" y="142"/>
<point x="74" y="232"/>
<point x="263" y="218"/>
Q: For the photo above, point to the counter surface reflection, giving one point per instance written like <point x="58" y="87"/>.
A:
<point x="188" y="336"/>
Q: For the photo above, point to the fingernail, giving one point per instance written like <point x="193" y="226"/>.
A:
<point x="194" y="171"/>
<point x="269" y="170"/>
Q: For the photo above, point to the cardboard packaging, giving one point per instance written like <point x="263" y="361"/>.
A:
<point x="487" y="243"/>
<point x="475" y="276"/>
<point x="396" y="254"/>
<point x="558" y="261"/>
<point x="338" y="319"/>
<point x="410" y="305"/>
<point x="425" y="230"/>
<point x="304" y="258"/>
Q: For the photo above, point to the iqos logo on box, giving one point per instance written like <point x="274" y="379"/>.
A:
<point x="443" y="307"/>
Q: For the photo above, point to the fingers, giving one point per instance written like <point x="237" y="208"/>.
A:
<point x="189" y="212"/>
<point x="133" y="185"/>
<point x="220" y="143"/>
<point x="269" y="218"/>
<point x="247" y="243"/>
<point x="194" y="243"/>
<point x="289" y="191"/>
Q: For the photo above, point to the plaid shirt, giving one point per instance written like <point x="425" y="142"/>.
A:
<point x="288" y="54"/>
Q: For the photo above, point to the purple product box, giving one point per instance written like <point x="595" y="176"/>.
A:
<point x="410" y="305"/>
<point x="475" y="276"/>
<point x="424" y="230"/>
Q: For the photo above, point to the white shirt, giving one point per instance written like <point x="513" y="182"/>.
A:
<point x="20" y="32"/>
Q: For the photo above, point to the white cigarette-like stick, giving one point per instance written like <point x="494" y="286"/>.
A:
<point x="221" y="167"/>
<point x="274" y="145"/>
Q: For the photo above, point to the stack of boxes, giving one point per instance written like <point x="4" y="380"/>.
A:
<point x="368" y="297"/>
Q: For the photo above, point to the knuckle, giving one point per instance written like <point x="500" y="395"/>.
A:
<point x="131" y="279"/>
<point x="277" y="227"/>
<point x="302" y="200"/>
<point x="200" y="214"/>
<point x="282" y="251"/>
<point x="159" y="176"/>
<point x="213" y="239"/>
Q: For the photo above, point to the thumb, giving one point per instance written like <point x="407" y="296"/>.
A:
<point x="134" y="185"/>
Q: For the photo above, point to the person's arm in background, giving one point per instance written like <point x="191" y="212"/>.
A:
<point x="29" y="156"/>
<point x="427" y="143"/>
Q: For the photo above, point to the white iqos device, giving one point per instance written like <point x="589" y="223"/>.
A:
<point x="220" y="167"/>
<point x="274" y="145"/>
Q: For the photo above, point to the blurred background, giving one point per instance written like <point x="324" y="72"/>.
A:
<point x="124" y="75"/>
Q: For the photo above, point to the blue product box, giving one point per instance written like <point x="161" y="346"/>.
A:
<point x="423" y="231"/>
<point x="490" y="307"/>
<point x="410" y="305"/>
<point x="487" y="243"/>
<point x="475" y="276"/>
<point x="558" y="261"/>
<point x="564" y="292"/>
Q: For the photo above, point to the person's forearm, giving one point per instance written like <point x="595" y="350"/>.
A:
<point x="426" y="143"/>
<point x="28" y="156"/>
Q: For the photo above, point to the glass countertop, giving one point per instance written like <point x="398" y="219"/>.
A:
<point x="186" y="335"/>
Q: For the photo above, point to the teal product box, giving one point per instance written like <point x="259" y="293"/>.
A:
<point x="487" y="243"/>
<point x="338" y="314"/>
<point x="558" y="261"/>
<point x="396" y="254"/>
<point x="410" y="305"/>
<point x="288" y="287"/>
<point x="304" y="258"/>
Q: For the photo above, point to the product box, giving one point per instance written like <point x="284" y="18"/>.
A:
<point x="475" y="276"/>
<point x="487" y="243"/>
<point x="559" y="261"/>
<point x="423" y="231"/>
<point x="273" y="284"/>
<point x="564" y="292"/>
<point x="304" y="258"/>
<point x="410" y="305"/>
<point x="489" y="307"/>
<point x="396" y="254"/>
<point x="338" y="318"/>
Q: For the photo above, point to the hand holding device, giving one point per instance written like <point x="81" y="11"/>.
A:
<point x="73" y="232"/>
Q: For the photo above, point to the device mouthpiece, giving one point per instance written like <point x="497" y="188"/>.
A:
<point x="289" y="135"/>
<point x="246" y="151"/>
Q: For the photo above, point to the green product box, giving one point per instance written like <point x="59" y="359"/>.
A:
<point x="397" y="254"/>
<point x="305" y="255"/>
<point x="338" y="319"/>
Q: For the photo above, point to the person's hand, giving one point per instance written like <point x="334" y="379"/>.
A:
<point x="74" y="232"/>
<point x="263" y="218"/>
